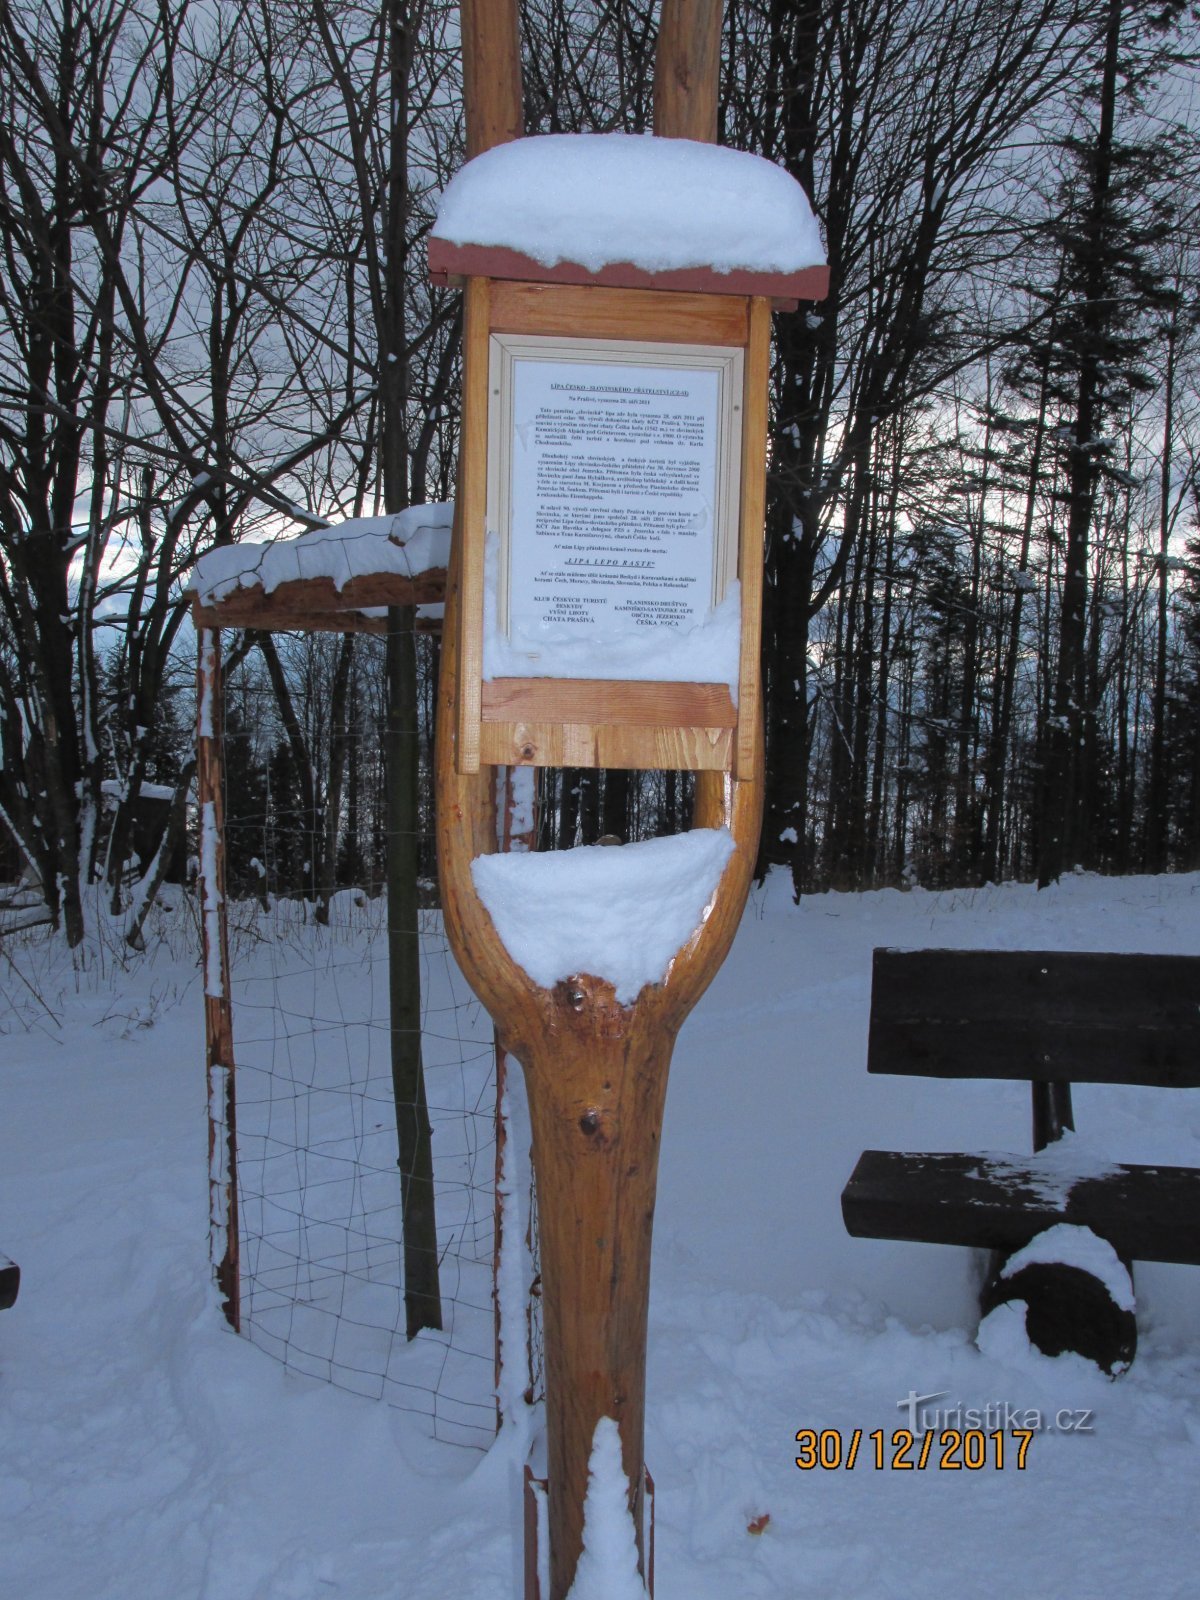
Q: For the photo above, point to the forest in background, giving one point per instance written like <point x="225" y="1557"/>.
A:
<point x="982" y="643"/>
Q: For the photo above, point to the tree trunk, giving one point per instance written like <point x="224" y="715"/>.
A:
<point x="338" y="750"/>
<point x="422" y="1296"/>
<point x="1059" y="822"/>
<point x="1156" y="799"/>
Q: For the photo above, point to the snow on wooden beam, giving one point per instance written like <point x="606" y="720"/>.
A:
<point x="335" y="579"/>
<point x="315" y="605"/>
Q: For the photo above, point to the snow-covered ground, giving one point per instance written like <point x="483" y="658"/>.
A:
<point x="148" y="1454"/>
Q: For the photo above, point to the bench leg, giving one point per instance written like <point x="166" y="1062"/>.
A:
<point x="1052" y="1113"/>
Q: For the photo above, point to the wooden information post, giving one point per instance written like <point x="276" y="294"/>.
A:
<point x="673" y="367"/>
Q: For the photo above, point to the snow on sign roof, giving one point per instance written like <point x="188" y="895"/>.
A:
<point x="407" y="545"/>
<point x="601" y="199"/>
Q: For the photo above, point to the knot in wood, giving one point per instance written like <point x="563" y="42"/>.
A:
<point x="573" y="993"/>
<point x="587" y="1007"/>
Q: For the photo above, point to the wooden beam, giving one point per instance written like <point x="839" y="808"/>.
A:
<point x="687" y="70"/>
<point x="1041" y="1015"/>
<point x="1145" y="1213"/>
<point x="251" y="607"/>
<point x="567" y="311"/>
<point x="491" y="47"/>
<point x="591" y="744"/>
<point x="640" y="704"/>
<point x="451" y="263"/>
<point x="315" y="622"/>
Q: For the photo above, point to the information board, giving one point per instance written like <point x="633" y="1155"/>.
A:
<point x="614" y="486"/>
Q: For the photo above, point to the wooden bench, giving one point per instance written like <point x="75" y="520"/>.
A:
<point x="10" y="1282"/>
<point x="1053" y="1019"/>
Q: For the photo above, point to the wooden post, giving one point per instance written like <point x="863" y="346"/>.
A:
<point x="218" y="1003"/>
<point x="595" y="1070"/>
<point x="687" y="70"/>
<point x="491" y="47"/>
<point x="516" y="829"/>
<point x="470" y="509"/>
<point x="596" y="1073"/>
<point x="752" y="536"/>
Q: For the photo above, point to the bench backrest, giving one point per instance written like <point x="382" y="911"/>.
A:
<point x="1045" y="1016"/>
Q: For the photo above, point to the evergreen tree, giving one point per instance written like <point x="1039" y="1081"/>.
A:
<point x="1114" y="215"/>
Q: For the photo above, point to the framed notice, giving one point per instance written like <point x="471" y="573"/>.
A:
<point x="613" y="493"/>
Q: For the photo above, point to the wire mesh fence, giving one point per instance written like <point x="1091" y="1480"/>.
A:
<point x="332" y="1277"/>
<point x="322" y="1267"/>
<point x="321" y="1194"/>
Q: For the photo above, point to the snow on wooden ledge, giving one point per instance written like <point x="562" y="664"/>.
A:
<point x="619" y="912"/>
<point x="406" y="544"/>
<point x="364" y="562"/>
<point x="630" y="209"/>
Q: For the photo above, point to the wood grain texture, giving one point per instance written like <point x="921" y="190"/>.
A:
<point x="567" y="744"/>
<point x="1146" y="1213"/>
<point x="1046" y="1016"/>
<point x="596" y="1074"/>
<point x="470" y="519"/>
<point x="566" y="311"/>
<point x="452" y="264"/>
<point x="751" y="531"/>
<point x="604" y="700"/>
<point x="491" y="46"/>
<point x="251" y="607"/>
<point x="687" y="69"/>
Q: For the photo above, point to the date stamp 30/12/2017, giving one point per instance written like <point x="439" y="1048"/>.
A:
<point x="944" y="1450"/>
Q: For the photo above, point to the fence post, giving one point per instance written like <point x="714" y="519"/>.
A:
<point x="218" y="1004"/>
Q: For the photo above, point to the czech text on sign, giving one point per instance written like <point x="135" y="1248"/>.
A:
<point x="614" y="485"/>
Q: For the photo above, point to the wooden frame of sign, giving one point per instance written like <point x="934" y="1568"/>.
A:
<point x="602" y="722"/>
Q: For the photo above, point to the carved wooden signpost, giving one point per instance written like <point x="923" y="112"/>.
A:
<point x="610" y="506"/>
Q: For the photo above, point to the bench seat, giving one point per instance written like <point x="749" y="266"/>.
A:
<point x="1000" y="1202"/>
